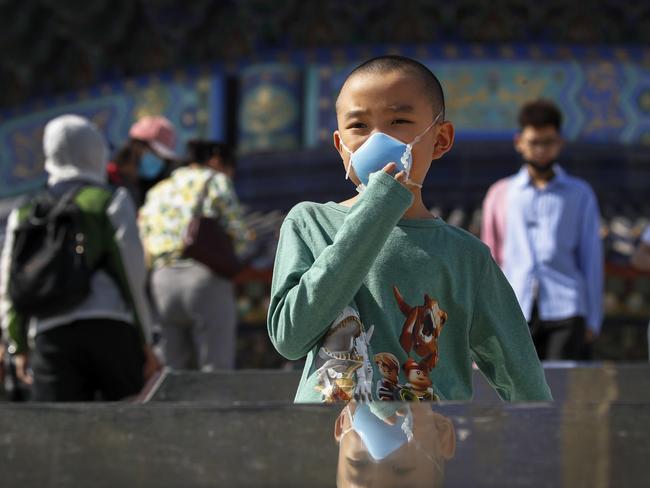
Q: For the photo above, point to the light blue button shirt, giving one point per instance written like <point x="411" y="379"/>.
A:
<point x="553" y="249"/>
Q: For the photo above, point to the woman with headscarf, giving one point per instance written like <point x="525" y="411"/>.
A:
<point x="102" y="343"/>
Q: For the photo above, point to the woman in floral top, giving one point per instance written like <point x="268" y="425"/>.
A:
<point x="197" y="307"/>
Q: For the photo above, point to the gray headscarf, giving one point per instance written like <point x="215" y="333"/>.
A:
<point x="74" y="149"/>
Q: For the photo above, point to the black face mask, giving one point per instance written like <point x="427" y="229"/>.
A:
<point x="542" y="169"/>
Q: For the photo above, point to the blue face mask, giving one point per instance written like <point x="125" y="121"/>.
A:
<point x="150" y="166"/>
<point x="379" y="150"/>
<point x="380" y="437"/>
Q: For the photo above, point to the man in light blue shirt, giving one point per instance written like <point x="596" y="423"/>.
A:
<point x="542" y="226"/>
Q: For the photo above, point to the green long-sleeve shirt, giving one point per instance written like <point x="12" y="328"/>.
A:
<point x="408" y="281"/>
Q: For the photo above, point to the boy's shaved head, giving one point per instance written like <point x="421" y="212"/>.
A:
<point x="431" y="86"/>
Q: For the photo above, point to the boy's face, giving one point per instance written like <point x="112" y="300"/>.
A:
<point x="541" y="145"/>
<point x="393" y="103"/>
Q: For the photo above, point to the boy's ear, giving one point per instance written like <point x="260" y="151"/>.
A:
<point x="445" y="140"/>
<point x="336" y="137"/>
<point x="345" y="158"/>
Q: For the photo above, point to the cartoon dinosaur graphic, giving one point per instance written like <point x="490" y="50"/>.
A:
<point x="343" y="365"/>
<point x="421" y="329"/>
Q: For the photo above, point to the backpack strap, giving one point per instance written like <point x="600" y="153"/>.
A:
<point x="54" y="203"/>
<point x="68" y="196"/>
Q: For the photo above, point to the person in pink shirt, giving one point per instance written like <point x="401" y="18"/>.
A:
<point x="543" y="228"/>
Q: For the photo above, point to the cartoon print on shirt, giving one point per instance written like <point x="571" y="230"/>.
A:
<point x="388" y="367"/>
<point x="420" y="333"/>
<point x="388" y="387"/>
<point x="421" y="329"/>
<point x="419" y="382"/>
<point x="343" y="369"/>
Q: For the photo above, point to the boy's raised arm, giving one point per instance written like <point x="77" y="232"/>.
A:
<point x="500" y="341"/>
<point x="308" y="292"/>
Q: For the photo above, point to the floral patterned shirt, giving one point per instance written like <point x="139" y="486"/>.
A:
<point x="168" y="210"/>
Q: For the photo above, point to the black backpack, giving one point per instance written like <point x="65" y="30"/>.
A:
<point x="49" y="272"/>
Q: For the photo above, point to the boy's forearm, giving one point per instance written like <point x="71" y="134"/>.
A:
<point x="506" y="356"/>
<point x="305" y="301"/>
<point x="501" y="343"/>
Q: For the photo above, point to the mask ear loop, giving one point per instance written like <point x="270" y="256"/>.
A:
<point x="407" y="159"/>
<point x="347" y="170"/>
<point x="361" y="186"/>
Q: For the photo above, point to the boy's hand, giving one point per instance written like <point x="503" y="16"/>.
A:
<point x="400" y="177"/>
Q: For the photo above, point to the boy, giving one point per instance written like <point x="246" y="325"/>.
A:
<point x="543" y="227"/>
<point x="378" y="254"/>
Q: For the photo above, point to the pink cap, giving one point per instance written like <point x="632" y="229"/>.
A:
<point x="158" y="132"/>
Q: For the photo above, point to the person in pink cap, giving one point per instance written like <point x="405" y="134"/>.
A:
<point x="158" y="133"/>
<point x="145" y="158"/>
<point x="196" y="306"/>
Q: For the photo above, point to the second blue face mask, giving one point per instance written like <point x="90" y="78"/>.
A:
<point x="151" y="166"/>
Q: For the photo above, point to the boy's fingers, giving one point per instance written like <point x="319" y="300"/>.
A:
<point x="389" y="168"/>
<point x="401" y="176"/>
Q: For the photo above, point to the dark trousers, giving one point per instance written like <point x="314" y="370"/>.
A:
<point x="559" y="339"/>
<point x="75" y="362"/>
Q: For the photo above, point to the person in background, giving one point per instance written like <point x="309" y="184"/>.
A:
<point x="641" y="261"/>
<point x="103" y="344"/>
<point x="145" y="158"/>
<point x="196" y="306"/>
<point x="542" y="226"/>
